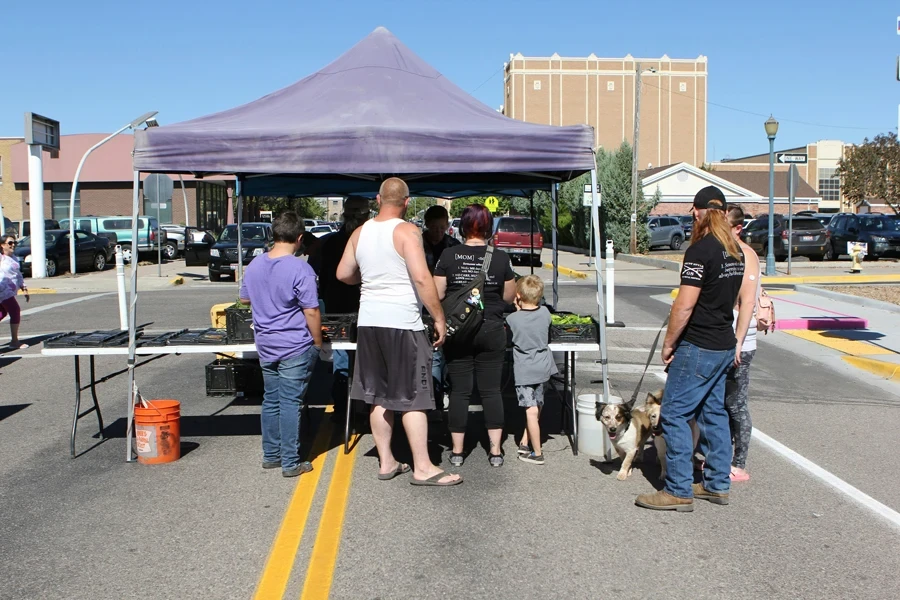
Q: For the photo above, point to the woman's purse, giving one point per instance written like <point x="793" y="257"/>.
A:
<point x="464" y="308"/>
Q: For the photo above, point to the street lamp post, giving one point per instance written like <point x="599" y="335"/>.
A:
<point x="771" y="129"/>
<point x="634" y="151"/>
<point x="137" y="122"/>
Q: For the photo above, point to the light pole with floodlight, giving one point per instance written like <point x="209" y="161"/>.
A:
<point x="136" y="123"/>
<point x="771" y="130"/>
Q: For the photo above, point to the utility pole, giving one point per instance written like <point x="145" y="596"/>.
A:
<point x="634" y="155"/>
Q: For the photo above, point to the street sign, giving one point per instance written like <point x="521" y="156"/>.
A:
<point x="784" y="157"/>
<point x="793" y="182"/>
<point x="587" y="199"/>
<point x="42" y="131"/>
<point x="158" y="187"/>
<point x="492" y="203"/>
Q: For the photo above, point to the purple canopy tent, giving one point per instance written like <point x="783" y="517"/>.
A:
<point x="379" y="110"/>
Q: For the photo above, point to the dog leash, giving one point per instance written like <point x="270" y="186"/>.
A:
<point x="637" y="390"/>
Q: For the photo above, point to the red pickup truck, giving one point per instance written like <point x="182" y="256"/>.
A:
<point x="520" y="237"/>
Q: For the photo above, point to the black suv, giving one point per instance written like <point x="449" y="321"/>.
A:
<point x="881" y="234"/>
<point x="809" y="237"/>
<point x="257" y="238"/>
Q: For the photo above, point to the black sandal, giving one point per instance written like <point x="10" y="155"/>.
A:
<point x="457" y="460"/>
<point x="495" y="460"/>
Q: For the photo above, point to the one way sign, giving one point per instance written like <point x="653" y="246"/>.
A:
<point x="784" y="158"/>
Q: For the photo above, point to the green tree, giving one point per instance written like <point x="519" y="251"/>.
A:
<point x="459" y="204"/>
<point x="614" y="176"/>
<point x="871" y="171"/>
<point x="308" y="208"/>
<point x="418" y="204"/>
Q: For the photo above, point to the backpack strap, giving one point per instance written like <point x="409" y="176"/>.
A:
<point x="487" y="259"/>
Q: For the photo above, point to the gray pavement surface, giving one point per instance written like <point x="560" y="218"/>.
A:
<point x="203" y="527"/>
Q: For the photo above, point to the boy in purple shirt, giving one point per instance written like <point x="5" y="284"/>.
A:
<point x="287" y="326"/>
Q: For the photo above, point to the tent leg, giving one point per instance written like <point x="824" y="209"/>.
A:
<point x="240" y="221"/>
<point x="132" y="335"/>
<point x="595" y="222"/>
<point x="554" y="200"/>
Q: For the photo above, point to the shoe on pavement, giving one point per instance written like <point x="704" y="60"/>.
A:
<point x="663" y="500"/>
<point x="532" y="458"/>
<point x="304" y="467"/>
<point x="701" y="493"/>
<point x="523" y="449"/>
<point x="271" y="464"/>
<point x="739" y="474"/>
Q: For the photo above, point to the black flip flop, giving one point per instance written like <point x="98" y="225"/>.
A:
<point x="434" y="480"/>
<point x="400" y="470"/>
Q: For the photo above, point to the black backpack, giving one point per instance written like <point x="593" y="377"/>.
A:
<point x="464" y="308"/>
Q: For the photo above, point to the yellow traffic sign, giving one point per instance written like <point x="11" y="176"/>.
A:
<point x="492" y="203"/>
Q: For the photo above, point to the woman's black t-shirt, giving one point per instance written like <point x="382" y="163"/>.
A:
<point x="461" y="264"/>
<point x="719" y="276"/>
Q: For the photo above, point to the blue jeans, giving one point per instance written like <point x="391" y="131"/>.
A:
<point x="341" y="362"/>
<point x="285" y="382"/>
<point x="438" y="374"/>
<point x="695" y="389"/>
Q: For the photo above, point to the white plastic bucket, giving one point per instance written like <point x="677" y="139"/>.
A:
<point x="592" y="436"/>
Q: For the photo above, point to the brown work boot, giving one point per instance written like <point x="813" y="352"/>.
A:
<point x="701" y="493"/>
<point x="663" y="500"/>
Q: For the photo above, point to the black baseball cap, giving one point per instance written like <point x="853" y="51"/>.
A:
<point x="710" y="197"/>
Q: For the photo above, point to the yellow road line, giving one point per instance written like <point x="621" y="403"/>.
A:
<point x="885" y="278"/>
<point x="278" y="568"/>
<point x="829" y="339"/>
<point x="890" y="371"/>
<point x="568" y="272"/>
<point x="320" y="573"/>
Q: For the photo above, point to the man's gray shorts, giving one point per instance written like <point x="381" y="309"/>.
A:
<point x="530" y="395"/>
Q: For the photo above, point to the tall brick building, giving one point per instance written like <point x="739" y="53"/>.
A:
<point x="10" y="199"/>
<point x="600" y="92"/>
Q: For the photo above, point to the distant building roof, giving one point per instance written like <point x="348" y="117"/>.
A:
<point x="111" y="162"/>
<point x="758" y="183"/>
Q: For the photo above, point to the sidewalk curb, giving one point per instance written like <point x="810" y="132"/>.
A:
<point x="659" y="263"/>
<point x="889" y="371"/>
<point x="830" y="279"/>
<point x="859" y="300"/>
<point x="36" y="291"/>
<point x="567" y="271"/>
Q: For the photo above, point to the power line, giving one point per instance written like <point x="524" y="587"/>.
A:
<point x="486" y="80"/>
<point x="755" y="114"/>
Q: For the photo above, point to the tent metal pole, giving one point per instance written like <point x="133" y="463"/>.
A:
<point x="554" y="199"/>
<point x="595" y="222"/>
<point x="132" y="312"/>
<point x="240" y="220"/>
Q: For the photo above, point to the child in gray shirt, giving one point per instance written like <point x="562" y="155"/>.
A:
<point x="533" y="362"/>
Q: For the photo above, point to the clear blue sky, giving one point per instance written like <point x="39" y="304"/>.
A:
<point x="97" y="64"/>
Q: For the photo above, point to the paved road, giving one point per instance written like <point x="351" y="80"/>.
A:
<point x="215" y="525"/>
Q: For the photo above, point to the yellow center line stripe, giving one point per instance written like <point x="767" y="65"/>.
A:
<point x="320" y="573"/>
<point x="275" y="576"/>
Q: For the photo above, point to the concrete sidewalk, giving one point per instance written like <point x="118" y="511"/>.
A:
<point x="626" y="273"/>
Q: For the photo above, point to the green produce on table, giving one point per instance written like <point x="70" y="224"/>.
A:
<point x="570" y="320"/>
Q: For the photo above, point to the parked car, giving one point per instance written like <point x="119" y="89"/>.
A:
<point x="91" y="252"/>
<point x="223" y="256"/>
<point x="197" y="245"/>
<point x="23" y="228"/>
<point x="809" y="237"/>
<point x="665" y="231"/>
<point x="520" y="237"/>
<point x="881" y="234"/>
<point x="118" y="230"/>
<point x="174" y="240"/>
<point x="453" y="229"/>
<point x="320" y="230"/>
<point x="687" y="223"/>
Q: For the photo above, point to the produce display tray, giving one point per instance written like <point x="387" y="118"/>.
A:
<point x="339" y="327"/>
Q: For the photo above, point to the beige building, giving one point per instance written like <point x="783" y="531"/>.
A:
<point x="10" y="199"/>
<point x="819" y="171"/>
<point x="601" y="92"/>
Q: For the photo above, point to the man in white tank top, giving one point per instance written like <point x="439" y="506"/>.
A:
<point x="392" y="372"/>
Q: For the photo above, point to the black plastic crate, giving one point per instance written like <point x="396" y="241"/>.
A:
<point x="586" y="332"/>
<point x="239" y="324"/>
<point x="231" y="377"/>
<point x="193" y="337"/>
<point x="339" y="327"/>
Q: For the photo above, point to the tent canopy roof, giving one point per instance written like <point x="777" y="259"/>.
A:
<point x="378" y="110"/>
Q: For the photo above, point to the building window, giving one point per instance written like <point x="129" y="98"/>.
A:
<point x="61" y="194"/>
<point x="682" y="87"/>
<point x="610" y="86"/>
<point x="537" y="84"/>
<point x="829" y="185"/>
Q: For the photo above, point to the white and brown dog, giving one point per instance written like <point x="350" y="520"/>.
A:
<point x="628" y="429"/>
<point x="653" y="407"/>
